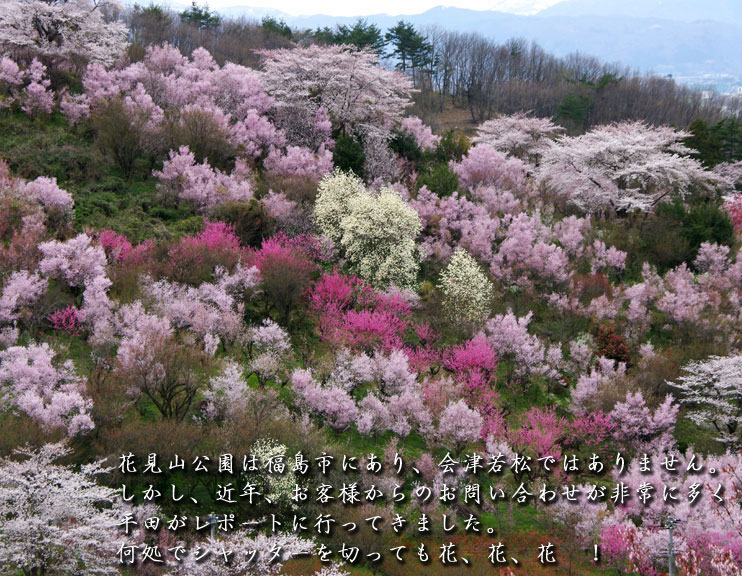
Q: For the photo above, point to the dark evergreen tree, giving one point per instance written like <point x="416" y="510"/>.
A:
<point x="201" y="17"/>
<point x="410" y="49"/>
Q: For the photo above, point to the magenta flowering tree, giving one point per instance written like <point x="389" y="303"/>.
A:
<point x="541" y="433"/>
<point x="474" y="366"/>
<point x="332" y="295"/>
<point x="350" y="313"/>
<point x="734" y="208"/>
<point x="117" y="246"/>
<point x="66" y="320"/>
<point x="370" y="329"/>
<point x="195" y="258"/>
<point x="285" y="272"/>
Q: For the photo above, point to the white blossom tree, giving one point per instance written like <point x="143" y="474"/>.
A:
<point x="467" y="292"/>
<point x="54" y="519"/>
<point x="376" y="232"/>
<point x="713" y="389"/>
<point x="379" y="239"/>
<point x="347" y="83"/>
<point x="624" y="166"/>
<point x="333" y="194"/>
<point x="62" y="29"/>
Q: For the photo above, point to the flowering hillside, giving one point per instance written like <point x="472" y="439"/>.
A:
<point x="200" y="257"/>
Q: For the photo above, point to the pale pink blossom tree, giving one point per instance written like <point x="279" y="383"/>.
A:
<point x="21" y="290"/>
<point x="485" y="166"/>
<point x="184" y="179"/>
<point x="56" y="519"/>
<point x="623" y="167"/>
<point x="74" y="262"/>
<point x="73" y="29"/>
<point x="48" y="193"/>
<point x="37" y="98"/>
<point x="713" y="389"/>
<point x="35" y="384"/>
<point x="520" y="135"/>
<point x="420" y="132"/>
<point x="348" y="84"/>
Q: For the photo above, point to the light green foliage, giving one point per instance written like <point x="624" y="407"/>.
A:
<point x="467" y="292"/>
<point x="376" y="232"/>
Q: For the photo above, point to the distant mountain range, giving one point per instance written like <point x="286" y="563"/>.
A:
<point x="679" y="37"/>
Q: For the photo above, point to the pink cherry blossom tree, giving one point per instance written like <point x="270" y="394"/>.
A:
<point x="520" y="135"/>
<point x="184" y="179"/>
<point x="74" y="262"/>
<point x="421" y="134"/>
<point x="20" y="291"/>
<point x="485" y="166"/>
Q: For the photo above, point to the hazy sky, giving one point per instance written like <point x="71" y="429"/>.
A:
<point x="349" y="8"/>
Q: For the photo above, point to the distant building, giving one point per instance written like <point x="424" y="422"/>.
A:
<point x="707" y="94"/>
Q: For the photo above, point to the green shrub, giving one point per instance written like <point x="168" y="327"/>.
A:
<point x="440" y="179"/>
<point x="406" y="146"/>
<point x="251" y="222"/>
<point x="348" y="155"/>
<point x="699" y="222"/>
<point x="117" y="137"/>
<point x="671" y="236"/>
<point x="453" y="146"/>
